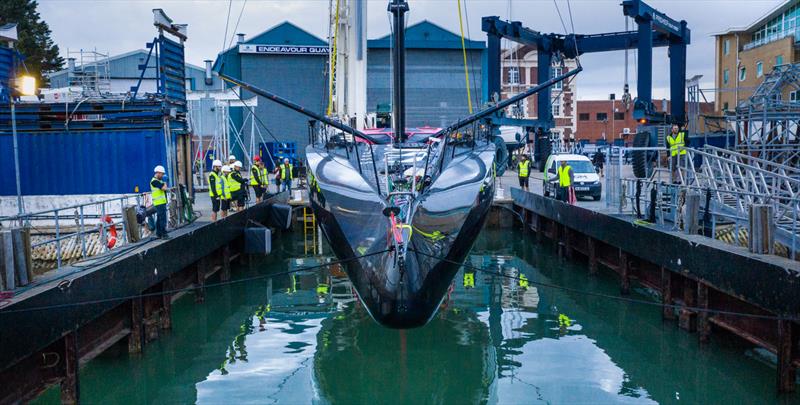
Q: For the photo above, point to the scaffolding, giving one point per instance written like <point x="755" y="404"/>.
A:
<point x="765" y="125"/>
<point x="89" y="70"/>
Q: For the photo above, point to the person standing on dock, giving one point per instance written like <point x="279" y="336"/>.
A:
<point x="565" y="180"/>
<point x="677" y="151"/>
<point x="285" y="172"/>
<point x="237" y="186"/>
<point x="158" y="192"/>
<point x="231" y="161"/>
<point x="599" y="160"/>
<point x="225" y="203"/>
<point x="523" y="169"/>
<point x="215" y="188"/>
<point x="258" y="178"/>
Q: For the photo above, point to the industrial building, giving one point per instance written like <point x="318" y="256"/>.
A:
<point x="293" y="63"/>
<point x="436" y="91"/>
<point x="745" y="54"/>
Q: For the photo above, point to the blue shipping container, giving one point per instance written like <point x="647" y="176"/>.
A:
<point x="86" y="162"/>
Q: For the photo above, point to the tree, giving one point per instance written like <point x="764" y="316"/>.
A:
<point x="40" y="52"/>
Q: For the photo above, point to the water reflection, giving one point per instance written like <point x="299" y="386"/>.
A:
<point x="304" y="338"/>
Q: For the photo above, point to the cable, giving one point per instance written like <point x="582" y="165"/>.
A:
<point x="187" y="289"/>
<point x="607" y="296"/>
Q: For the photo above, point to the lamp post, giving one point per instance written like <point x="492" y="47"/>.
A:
<point x="20" y="204"/>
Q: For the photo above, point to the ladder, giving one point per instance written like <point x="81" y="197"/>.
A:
<point x="309" y="231"/>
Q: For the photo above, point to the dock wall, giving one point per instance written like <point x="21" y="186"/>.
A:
<point x="49" y="331"/>
<point x="704" y="284"/>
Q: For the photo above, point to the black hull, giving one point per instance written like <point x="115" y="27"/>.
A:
<point x="445" y="224"/>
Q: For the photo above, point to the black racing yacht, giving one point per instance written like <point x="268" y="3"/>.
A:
<point x="401" y="212"/>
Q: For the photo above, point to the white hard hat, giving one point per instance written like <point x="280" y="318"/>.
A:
<point x="237" y="164"/>
<point x="159" y="169"/>
<point x="226" y="168"/>
<point x="231" y="157"/>
<point x="286" y="159"/>
<point x="216" y="163"/>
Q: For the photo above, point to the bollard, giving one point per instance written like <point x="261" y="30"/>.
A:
<point x="762" y="229"/>
<point x="691" y="213"/>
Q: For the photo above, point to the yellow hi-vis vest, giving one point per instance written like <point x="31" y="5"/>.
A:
<point x="563" y="176"/>
<point x="677" y="143"/>
<point x="283" y="172"/>
<point x="524" y="168"/>
<point x="233" y="185"/>
<point x="217" y="184"/>
<point x="226" y="189"/>
<point x="159" y="196"/>
<point x="257" y="174"/>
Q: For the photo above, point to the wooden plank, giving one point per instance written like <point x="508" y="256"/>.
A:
<point x="70" y="388"/>
<point x="625" y="268"/>
<point x="667" y="310"/>
<point x="687" y="318"/>
<point x="703" y="327"/>
<point x="8" y="260"/>
<point x="592" y="255"/>
<point x="786" y="370"/>
<point x="136" y="337"/>
<point x="20" y="256"/>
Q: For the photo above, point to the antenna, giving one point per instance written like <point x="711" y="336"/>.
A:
<point x="398" y="8"/>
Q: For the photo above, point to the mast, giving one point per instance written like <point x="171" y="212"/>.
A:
<point x="398" y="8"/>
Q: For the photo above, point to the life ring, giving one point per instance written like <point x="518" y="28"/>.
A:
<point x="112" y="232"/>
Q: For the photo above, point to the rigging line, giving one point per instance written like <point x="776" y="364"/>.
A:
<point x="611" y="297"/>
<point x="227" y="23"/>
<point x="192" y="288"/>
<point x="464" y="52"/>
<point x="258" y="119"/>
<point x="471" y="57"/>
<point x="560" y="17"/>
<point x="236" y="27"/>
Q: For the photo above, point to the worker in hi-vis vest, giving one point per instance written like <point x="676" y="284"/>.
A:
<point x="215" y="187"/>
<point x="677" y="150"/>
<point x="285" y="173"/>
<point x="258" y="178"/>
<point x="524" y="171"/>
<point x="565" y="180"/>
<point x="158" y="193"/>
<point x="225" y="203"/>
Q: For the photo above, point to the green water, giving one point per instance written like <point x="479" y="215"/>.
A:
<point x="279" y="340"/>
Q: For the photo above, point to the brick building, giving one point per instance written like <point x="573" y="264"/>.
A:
<point x="745" y="54"/>
<point x="609" y="120"/>
<point x="519" y="73"/>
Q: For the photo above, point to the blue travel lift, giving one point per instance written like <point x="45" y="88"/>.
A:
<point x="654" y="29"/>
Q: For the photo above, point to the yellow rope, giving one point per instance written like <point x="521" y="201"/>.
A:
<point x="464" y="51"/>
<point x="334" y="57"/>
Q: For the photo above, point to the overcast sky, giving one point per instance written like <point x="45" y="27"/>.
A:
<point x="117" y="26"/>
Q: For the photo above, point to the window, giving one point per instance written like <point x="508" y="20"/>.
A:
<point x="602" y="117"/>
<point x="759" y="69"/>
<point x="555" y="72"/>
<point x="793" y="96"/>
<point x="726" y="76"/>
<point x="779" y="60"/>
<point x="742" y="73"/>
<point x="513" y="75"/>
<point x="619" y="116"/>
<point x="583" y="117"/>
<point x="557" y="106"/>
<point x="726" y="47"/>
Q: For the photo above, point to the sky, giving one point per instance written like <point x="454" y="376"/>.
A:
<point x="118" y="26"/>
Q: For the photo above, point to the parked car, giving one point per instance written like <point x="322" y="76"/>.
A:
<point x="587" y="181"/>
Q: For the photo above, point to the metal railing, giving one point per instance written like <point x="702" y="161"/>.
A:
<point x="732" y="182"/>
<point x="69" y="234"/>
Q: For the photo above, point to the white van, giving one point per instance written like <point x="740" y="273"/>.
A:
<point x="587" y="181"/>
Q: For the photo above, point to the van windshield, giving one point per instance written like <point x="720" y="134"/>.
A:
<point x="581" y="166"/>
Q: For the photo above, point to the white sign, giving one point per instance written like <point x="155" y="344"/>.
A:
<point x="284" y="49"/>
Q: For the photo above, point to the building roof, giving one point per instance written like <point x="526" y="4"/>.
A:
<point x="138" y="53"/>
<point x="772" y="13"/>
<point x="427" y="35"/>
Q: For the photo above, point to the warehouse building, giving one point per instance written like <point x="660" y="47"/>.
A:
<point x="436" y="91"/>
